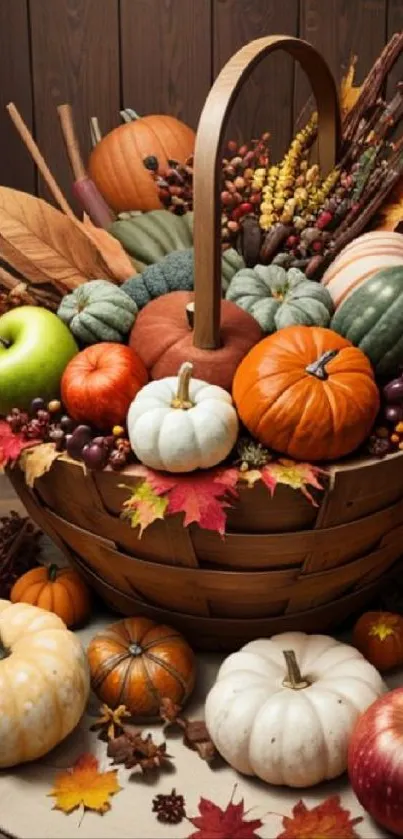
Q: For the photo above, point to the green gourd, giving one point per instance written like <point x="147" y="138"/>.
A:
<point x="278" y="298"/>
<point x="173" y="273"/>
<point x="149" y="237"/>
<point x="98" y="311"/>
<point x="372" y="319"/>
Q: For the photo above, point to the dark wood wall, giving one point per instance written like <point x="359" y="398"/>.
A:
<point x="162" y="56"/>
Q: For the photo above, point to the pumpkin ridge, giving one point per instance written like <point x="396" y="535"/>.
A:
<point x="169" y="669"/>
<point x="126" y="678"/>
<point x="161" y="640"/>
<point x="133" y="180"/>
<point x="102" y="670"/>
<point x="71" y="598"/>
<point x="52" y="690"/>
<point x="153" y="691"/>
<point x="166" y="122"/>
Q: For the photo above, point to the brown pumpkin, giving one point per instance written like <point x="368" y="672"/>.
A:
<point x="161" y="337"/>
<point x="58" y="590"/>
<point x="116" y="164"/>
<point x="137" y="663"/>
<point x="307" y="392"/>
<point x="379" y="637"/>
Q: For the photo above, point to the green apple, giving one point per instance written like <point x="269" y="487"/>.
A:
<point x="35" y="348"/>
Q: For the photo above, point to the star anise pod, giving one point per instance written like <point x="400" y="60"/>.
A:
<point x="110" y="722"/>
<point x="170" y="809"/>
<point x="132" y="749"/>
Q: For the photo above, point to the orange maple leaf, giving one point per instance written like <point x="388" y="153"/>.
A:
<point x="349" y="92"/>
<point x="85" y="785"/>
<point x="327" y="820"/>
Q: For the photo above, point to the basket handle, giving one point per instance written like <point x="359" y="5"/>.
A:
<point x="207" y="163"/>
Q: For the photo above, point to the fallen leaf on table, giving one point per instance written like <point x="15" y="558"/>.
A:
<point x="327" y="820"/>
<point x="349" y="92"/>
<point x="36" y="461"/>
<point x="392" y="212"/>
<point x="132" y="749"/>
<point x="110" y="722"/>
<point x="45" y="245"/>
<point x="11" y="445"/>
<point x="215" y="823"/>
<point x="120" y="266"/>
<point x="85" y="785"/>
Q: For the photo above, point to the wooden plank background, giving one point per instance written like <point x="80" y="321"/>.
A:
<point x="162" y="56"/>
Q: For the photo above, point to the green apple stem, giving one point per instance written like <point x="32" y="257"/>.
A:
<point x="4" y="343"/>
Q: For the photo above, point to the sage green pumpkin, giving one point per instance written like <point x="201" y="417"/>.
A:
<point x="149" y="237"/>
<point x="173" y="273"/>
<point x="372" y="319"/>
<point x="278" y="298"/>
<point x="98" y="311"/>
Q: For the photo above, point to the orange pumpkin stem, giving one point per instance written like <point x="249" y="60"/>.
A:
<point x="318" y="368"/>
<point x="182" y="399"/>
<point x="293" y="680"/>
<point x="135" y="649"/>
<point x="52" y="573"/>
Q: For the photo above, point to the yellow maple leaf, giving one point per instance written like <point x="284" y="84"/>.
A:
<point x="144" y="506"/>
<point x="391" y="214"/>
<point x="85" y="785"/>
<point x="349" y="92"/>
<point x="36" y="461"/>
<point x="295" y="475"/>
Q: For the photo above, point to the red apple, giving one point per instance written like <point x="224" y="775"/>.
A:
<point x="375" y="761"/>
<point x="99" y="384"/>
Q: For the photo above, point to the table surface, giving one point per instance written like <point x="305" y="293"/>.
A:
<point x="26" y="809"/>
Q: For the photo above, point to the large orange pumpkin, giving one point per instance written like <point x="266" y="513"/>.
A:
<point x="163" y="339"/>
<point x="58" y="590"/>
<point x="137" y="663"/>
<point x="116" y="163"/>
<point x="307" y="392"/>
<point x="101" y="385"/>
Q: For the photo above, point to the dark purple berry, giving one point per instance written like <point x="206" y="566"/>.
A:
<point x="67" y="423"/>
<point x="95" y="456"/>
<point x="393" y="414"/>
<point x="37" y="405"/>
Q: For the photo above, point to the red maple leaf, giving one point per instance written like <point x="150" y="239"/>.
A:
<point x="215" y="823"/>
<point x="201" y="496"/>
<point x="328" y="820"/>
<point x="11" y="445"/>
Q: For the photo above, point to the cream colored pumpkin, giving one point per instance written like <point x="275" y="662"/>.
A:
<point x="360" y="260"/>
<point x="179" y="424"/>
<point x="290" y="723"/>
<point x="44" y="682"/>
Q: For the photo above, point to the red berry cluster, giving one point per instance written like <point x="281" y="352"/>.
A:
<point x="48" y="423"/>
<point x="239" y="196"/>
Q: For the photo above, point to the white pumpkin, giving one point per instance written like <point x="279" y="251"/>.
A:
<point x="44" y="682"/>
<point x="267" y="719"/>
<point x="179" y="424"/>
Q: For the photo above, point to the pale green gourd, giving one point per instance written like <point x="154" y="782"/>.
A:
<point x="98" y="311"/>
<point x="277" y="298"/>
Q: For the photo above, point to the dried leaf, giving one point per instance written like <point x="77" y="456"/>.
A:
<point x="36" y="461"/>
<point x="349" y="93"/>
<point x="132" y="749"/>
<point x="328" y="820"/>
<point x="120" y="266"/>
<point x="11" y="445"/>
<point x="144" y="506"/>
<point x="44" y="245"/>
<point x="215" y="823"/>
<point x="197" y="738"/>
<point x="85" y="785"/>
<point x="294" y="475"/>
<point x="110" y="722"/>
<point x="392" y="212"/>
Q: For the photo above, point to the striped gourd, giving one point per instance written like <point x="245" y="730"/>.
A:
<point x="371" y="317"/>
<point x="360" y="260"/>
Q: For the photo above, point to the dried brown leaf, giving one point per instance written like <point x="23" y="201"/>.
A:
<point x="132" y="749"/>
<point x="391" y="215"/>
<point x="37" y="460"/>
<point x="44" y="245"/>
<point x="120" y="266"/>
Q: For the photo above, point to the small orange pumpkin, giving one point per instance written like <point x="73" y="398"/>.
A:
<point x="379" y="637"/>
<point x="116" y="164"/>
<point x="58" y="590"/>
<point x="137" y="663"/>
<point x="307" y="392"/>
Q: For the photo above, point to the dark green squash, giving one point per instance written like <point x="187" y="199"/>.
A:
<point x="98" y="311"/>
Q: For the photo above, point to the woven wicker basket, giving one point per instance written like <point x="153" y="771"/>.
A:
<point x="284" y="564"/>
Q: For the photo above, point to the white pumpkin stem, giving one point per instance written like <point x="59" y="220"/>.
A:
<point x="128" y="115"/>
<point x="293" y="680"/>
<point x="182" y="399"/>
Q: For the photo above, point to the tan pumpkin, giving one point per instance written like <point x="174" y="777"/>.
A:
<point x="137" y="663"/>
<point x="360" y="260"/>
<point x="44" y="682"/>
<point x="58" y="590"/>
<point x="116" y="163"/>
